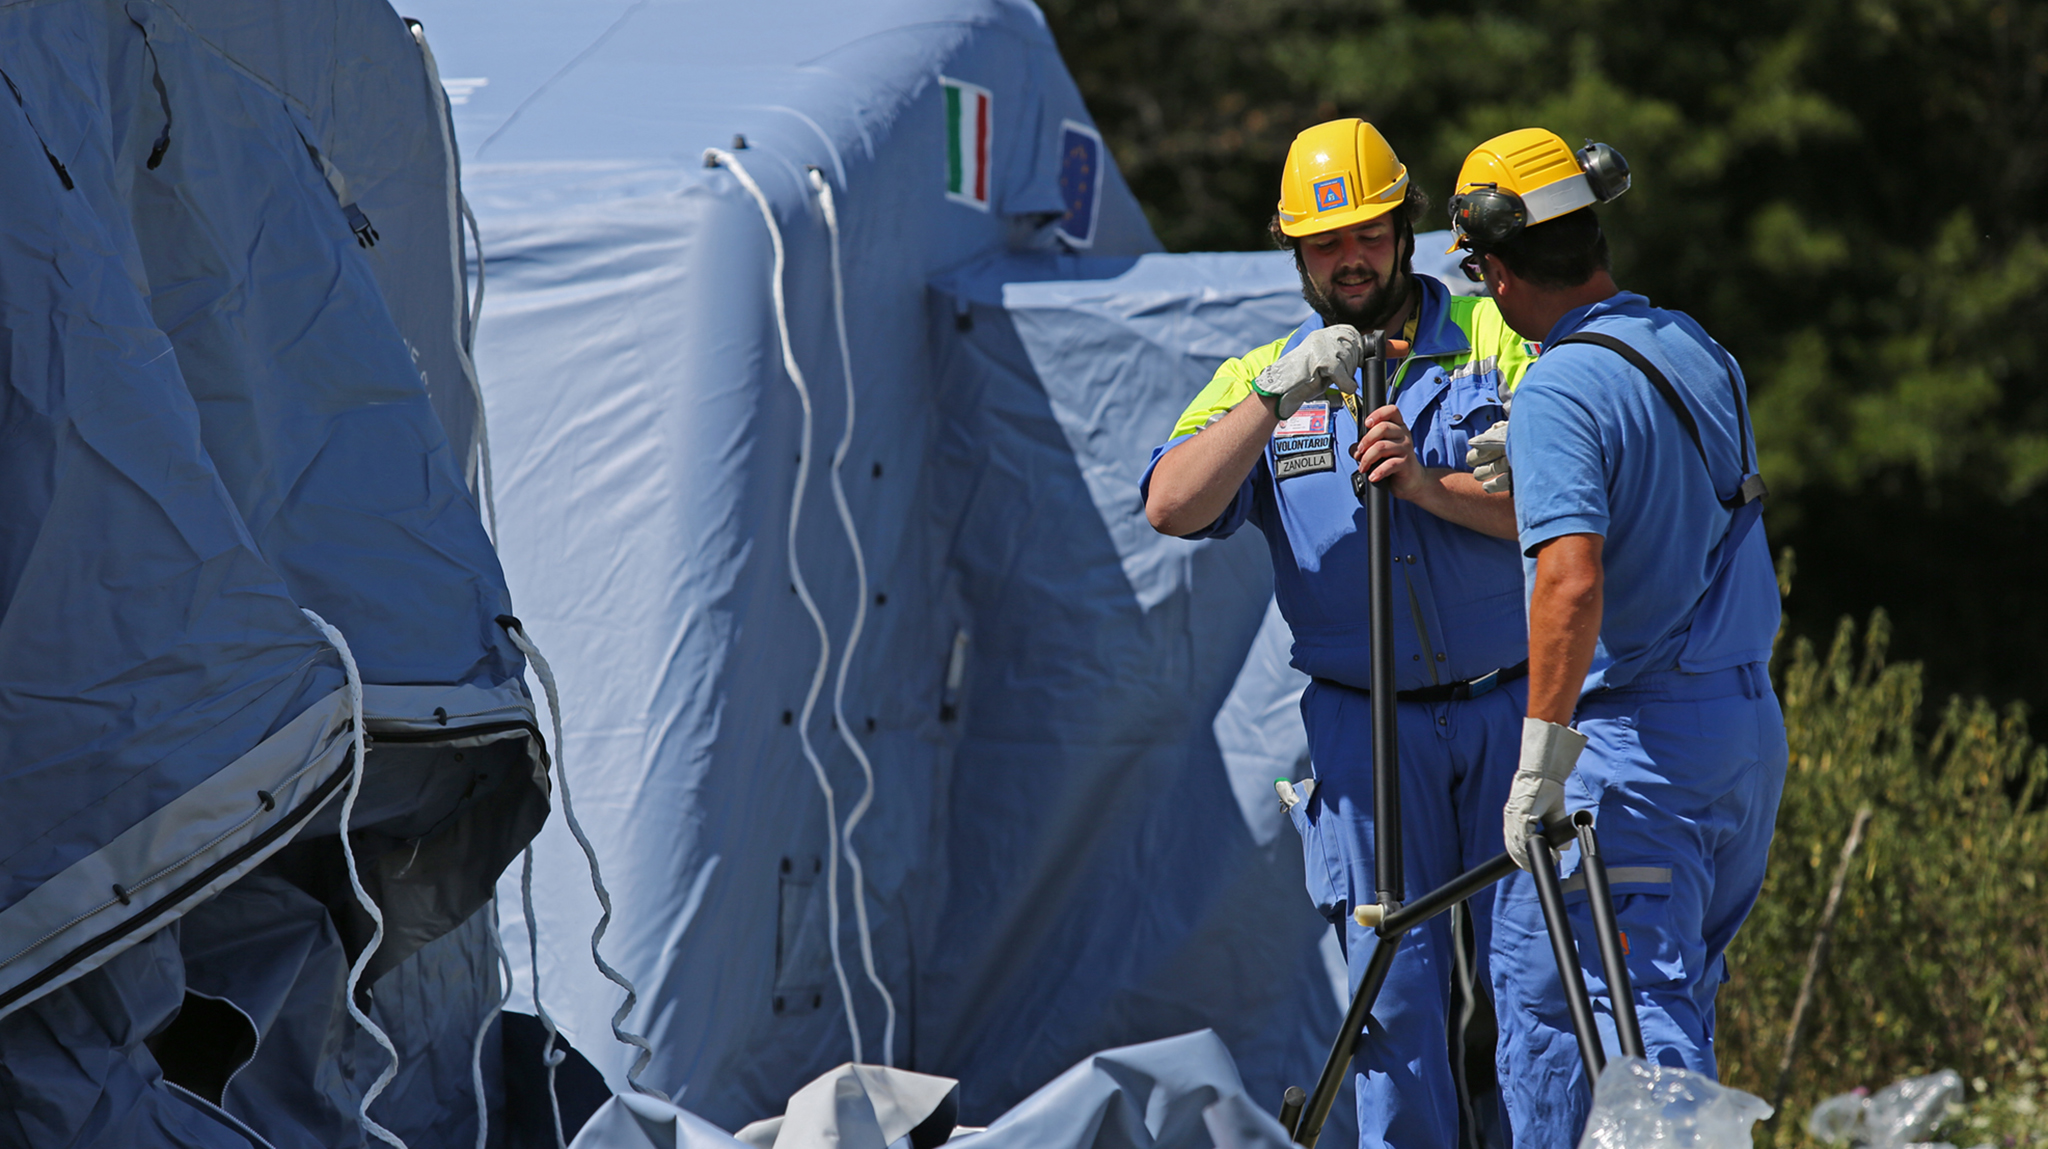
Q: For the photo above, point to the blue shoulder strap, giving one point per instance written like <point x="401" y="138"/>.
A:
<point x="1747" y="503"/>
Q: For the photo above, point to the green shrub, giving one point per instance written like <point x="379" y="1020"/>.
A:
<point x="1940" y="948"/>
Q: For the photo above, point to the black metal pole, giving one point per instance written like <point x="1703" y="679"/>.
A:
<point x="1459" y="888"/>
<point x="1390" y="930"/>
<point x="1332" y="1080"/>
<point x="1550" y="892"/>
<point x="1449" y="894"/>
<point x="1628" y="1034"/>
<point x="1386" y="758"/>
<point x="1290" y="1108"/>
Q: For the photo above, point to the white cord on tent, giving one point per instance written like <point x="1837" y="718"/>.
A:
<point x="860" y="614"/>
<point x="355" y="881"/>
<point x="458" y="212"/>
<point x="476" y="1057"/>
<point x="604" y="898"/>
<point x="549" y="1055"/>
<point x="476" y="387"/>
<point x="476" y="303"/>
<point x="720" y="157"/>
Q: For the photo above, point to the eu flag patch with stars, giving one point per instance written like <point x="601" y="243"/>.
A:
<point x="1080" y="182"/>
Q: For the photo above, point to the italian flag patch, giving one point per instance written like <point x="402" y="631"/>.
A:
<point x="970" y="116"/>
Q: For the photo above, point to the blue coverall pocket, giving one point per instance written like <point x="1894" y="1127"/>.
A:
<point x="1319" y="870"/>
<point x="1644" y="911"/>
<point x="1473" y="403"/>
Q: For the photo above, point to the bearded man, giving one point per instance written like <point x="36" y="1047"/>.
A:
<point x="1260" y="444"/>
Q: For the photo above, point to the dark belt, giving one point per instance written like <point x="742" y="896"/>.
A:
<point x="1451" y="691"/>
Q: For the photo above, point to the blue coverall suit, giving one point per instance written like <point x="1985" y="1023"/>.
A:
<point x="1686" y="754"/>
<point x="1459" y="616"/>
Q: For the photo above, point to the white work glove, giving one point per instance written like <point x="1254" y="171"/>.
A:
<point x="1487" y="454"/>
<point x="1548" y="752"/>
<point x="1328" y="357"/>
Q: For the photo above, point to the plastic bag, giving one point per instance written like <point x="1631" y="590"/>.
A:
<point x="1898" y="1115"/>
<point x="1839" y="1119"/>
<point x="1637" y="1105"/>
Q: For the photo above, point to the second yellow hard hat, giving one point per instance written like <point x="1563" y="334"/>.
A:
<point x="1525" y="177"/>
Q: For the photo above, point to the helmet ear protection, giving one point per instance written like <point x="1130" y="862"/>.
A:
<point x="1606" y="172"/>
<point x="1489" y="215"/>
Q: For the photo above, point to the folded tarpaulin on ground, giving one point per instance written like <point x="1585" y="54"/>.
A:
<point x="1177" y="1093"/>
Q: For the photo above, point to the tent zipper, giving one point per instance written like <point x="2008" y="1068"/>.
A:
<point x="366" y="235"/>
<point x="283" y="826"/>
<point x="453" y="732"/>
<point x="163" y="97"/>
<point x="55" y="164"/>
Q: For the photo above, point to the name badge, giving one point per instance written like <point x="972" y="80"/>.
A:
<point x="1305" y="443"/>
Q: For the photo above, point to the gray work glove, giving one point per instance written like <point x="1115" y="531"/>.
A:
<point x="1548" y="752"/>
<point x="1328" y="357"/>
<point x="1487" y="454"/>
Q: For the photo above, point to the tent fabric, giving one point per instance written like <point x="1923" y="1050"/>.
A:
<point x="75" y="1067"/>
<point x="1125" y="875"/>
<point x="1150" y="1096"/>
<point x="271" y="950"/>
<point x="1176" y="1093"/>
<point x="156" y="675"/>
<point x="633" y="1121"/>
<point x="365" y="87"/>
<point x="861" y="1107"/>
<point x="307" y="391"/>
<point x="228" y="397"/>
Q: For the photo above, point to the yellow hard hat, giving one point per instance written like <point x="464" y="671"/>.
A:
<point x="1525" y="177"/>
<point x="1338" y="174"/>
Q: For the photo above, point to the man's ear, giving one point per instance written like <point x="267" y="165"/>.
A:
<point x="1504" y="281"/>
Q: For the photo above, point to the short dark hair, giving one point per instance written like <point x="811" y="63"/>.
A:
<point x="1561" y="252"/>
<point x="1413" y="206"/>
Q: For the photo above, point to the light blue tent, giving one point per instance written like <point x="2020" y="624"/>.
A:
<point x="236" y="333"/>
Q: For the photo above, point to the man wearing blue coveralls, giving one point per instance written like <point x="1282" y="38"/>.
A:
<point x="1260" y="444"/>
<point x="1652" y="606"/>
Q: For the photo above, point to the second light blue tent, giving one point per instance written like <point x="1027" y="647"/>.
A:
<point x="241" y="523"/>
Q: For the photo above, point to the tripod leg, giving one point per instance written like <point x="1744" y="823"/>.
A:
<point x="1550" y="892"/>
<point x="1391" y="928"/>
<point x="1331" y="1082"/>
<point x="1290" y="1108"/>
<point x="1627" y="1032"/>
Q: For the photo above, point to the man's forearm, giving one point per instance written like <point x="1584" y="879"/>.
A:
<point x="1457" y="497"/>
<point x="1564" y="624"/>
<point x="1196" y="480"/>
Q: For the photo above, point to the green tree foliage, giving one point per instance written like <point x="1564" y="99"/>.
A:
<point x="1850" y="194"/>
<point x="1940" y="954"/>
